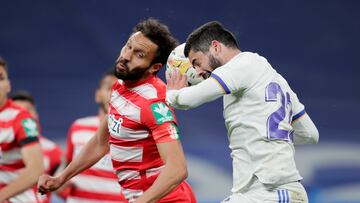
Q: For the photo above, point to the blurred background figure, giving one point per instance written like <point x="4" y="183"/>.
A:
<point x="52" y="153"/>
<point x="98" y="183"/>
<point x="21" y="159"/>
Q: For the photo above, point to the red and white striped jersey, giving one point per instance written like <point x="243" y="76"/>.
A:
<point x="138" y="119"/>
<point x="53" y="158"/>
<point x="17" y="129"/>
<point x="98" y="183"/>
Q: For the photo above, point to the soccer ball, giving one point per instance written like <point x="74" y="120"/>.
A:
<point x="177" y="60"/>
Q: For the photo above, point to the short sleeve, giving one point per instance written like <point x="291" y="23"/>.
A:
<point x="160" y="119"/>
<point x="297" y="107"/>
<point x="26" y="129"/>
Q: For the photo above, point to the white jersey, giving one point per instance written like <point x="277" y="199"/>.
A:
<point x="258" y="109"/>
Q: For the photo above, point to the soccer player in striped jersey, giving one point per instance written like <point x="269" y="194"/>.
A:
<point x="263" y="116"/>
<point x="52" y="153"/>
<point x="99" y="182"/>
<point x="21" y="159"/>
<point x="140" y="131"/>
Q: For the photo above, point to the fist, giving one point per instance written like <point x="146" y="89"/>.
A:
<point x="48" y="183"/>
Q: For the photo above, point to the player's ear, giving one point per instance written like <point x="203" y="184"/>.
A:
<point x="216" y="45"/>
<point x="154" y="68"/>
<point x="97" y="96"/>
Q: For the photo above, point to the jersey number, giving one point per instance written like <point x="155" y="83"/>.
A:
<point x="274" y="93"/>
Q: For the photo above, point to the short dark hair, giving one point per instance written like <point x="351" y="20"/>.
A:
<point x="3" y="64"/>
<point x="200" y="39"/>
<point x="22" y="95"/>
<point x="159" y="34"/>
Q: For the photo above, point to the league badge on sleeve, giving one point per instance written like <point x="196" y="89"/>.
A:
<point x="30" y="127"/>
<point x="161" y="112"/>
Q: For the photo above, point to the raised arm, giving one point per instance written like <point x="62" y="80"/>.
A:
<point x="181" y="97"/>
<point x="92" y="152"/>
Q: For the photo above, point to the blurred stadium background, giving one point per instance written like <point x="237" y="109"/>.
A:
<point x="58" y="50"/>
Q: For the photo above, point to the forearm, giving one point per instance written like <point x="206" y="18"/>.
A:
<point x="170" y="177"/>
<point x="92" y="152"/>
<point x="191" y="97"/>
<point x="26" y="179"/>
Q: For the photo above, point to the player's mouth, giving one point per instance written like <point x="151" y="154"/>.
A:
<point x="121" y="67"/>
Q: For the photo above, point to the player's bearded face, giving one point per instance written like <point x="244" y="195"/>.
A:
<point x="123" y="72"/>
<point x="213" y="62"/>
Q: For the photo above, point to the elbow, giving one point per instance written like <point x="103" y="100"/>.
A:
<point x="315" y="136"/>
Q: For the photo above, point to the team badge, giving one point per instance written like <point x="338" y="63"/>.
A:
<point x="161" y="113"/>
<point x="30" y="127"/>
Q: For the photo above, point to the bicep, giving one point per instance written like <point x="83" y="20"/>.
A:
<point x="171" y="152"/>
<point x="102" y="134"/>
<point x="32" y="154"/>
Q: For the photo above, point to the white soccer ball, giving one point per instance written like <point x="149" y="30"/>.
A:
<point x="177" y="60"/>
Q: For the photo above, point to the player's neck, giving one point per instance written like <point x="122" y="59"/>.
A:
<point x="3" y="102"/>
<point x="140" y="81"/>
<point x="230" y="53"/>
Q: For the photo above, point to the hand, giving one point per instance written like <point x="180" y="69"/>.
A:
<point x="176" y="80"/>
<point x="48" y="183"/>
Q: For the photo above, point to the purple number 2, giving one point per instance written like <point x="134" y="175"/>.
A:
<point x="274" y="93"/>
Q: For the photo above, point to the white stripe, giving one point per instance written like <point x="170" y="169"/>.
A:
<point x="128" y="175"/>
<point x="104" y="164"/>
<point x="7" y="176"/>
<point x="96" y="184"/>
<point x="46" y="144"/>
<point x="130" y="134"/>
<point x="92" y="121"/>
<point x="146" y="90"/>
<point x="125" y="107"/>
<point x="82" y="136"/>
<point x="25" y="197"/>
<point x="123" y="154"/>
<point x="153" y="171"/>
<point x="131" y="195"/>
<point x="6" y="135"/>
<point x="71" y="199"/>
<point x="8" y="114"/>
<point x="11" y="156"/>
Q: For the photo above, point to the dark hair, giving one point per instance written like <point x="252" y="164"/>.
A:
<point x="159" y="34"/>
<point x="23" y="95"/>
<point x="3" y="64"/>
<point x="201" y="38"/>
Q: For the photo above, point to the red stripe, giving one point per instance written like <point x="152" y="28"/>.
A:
<point x="96" y="196"/>
<point x="13" y="166"/>
<point x="100" y="173"/>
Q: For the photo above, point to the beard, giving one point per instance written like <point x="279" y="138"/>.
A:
<point x="213" y="62"/>
<point x="128" y="75"/>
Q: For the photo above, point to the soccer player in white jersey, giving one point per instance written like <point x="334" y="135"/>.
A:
<point x="21" y="160"/>
<point x="263" y="116"/>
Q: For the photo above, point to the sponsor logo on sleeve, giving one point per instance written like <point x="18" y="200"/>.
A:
<point x="30" y="127"/>
<point x="173" y="131"/>
<point x="161" y="112"/>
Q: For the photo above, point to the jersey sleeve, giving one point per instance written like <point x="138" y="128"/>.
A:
<point x="160" y="119"/>
<point x="297" y="107"/>
<point x="26" y="129"/>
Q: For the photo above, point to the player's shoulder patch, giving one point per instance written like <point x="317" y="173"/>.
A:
<point x="161" y="112"/>
<point x="30" y="127"/>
